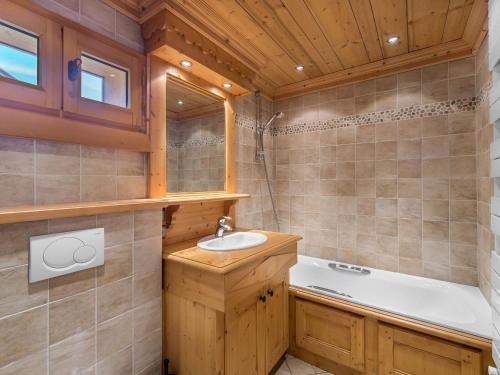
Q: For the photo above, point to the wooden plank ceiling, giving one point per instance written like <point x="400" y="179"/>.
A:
<point x="335" y="40"/>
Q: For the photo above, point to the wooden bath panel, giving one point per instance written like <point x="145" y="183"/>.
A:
<point x="349" y="339"/>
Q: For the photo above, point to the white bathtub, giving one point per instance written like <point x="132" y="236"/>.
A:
<point x="451" y="305"/>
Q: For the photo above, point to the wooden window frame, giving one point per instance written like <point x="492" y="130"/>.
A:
<point x="158" y="125"/>
<point x="76" y="43"/>
<point x="47" y="94"/>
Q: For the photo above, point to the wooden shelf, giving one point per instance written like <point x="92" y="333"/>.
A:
<point x="58" y="211"/>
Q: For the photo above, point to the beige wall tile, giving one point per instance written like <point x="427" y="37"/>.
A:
<point x="114" y="299"/>
<point x="117" y="264"/>
<point x="98" y="161"/>
<point x="52" y="189"/>
<point x="73" y="355"/>
<point x="73" y="283"/>
<point x="147" y="287"/>
<point x="114" y="335"/>
<point x="130" y="187"/>
<point x="117" y="364"/>
<point x="71" y="316"/>
<point x="411" y="78"/>
<point x="98" y="188"/>
<point x="147" y="318"/>
<point x="30" y="364"/>
<point x="147" y="351"/>
<point x="23" y="334"/>
<point x="15" y="241"/>
<point x="16" y="155"/>
<point x="435" y="91"/>
<point x="54" y="158"/>
<point x="17" y="294"/>
<point x="118" y="228"/>
<point x="148" y="255"/>
<point x="434" y="126"/>
<point x="436" y="210"/>
<point x="147" y="224"/>
<point x="17" y="190"/>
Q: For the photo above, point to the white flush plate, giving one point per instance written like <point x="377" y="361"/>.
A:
<point x="58" y="254"/>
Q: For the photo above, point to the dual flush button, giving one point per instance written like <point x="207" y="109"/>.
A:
<point x="59" y="254"/>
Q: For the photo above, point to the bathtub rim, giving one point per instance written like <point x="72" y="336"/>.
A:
<point x="436" y="330"/>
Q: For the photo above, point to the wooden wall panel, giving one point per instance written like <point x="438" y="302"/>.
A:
<point x="189" y="221"/>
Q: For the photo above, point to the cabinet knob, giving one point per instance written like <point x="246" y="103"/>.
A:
<point x="270" y="292"/>
<point x="262" y="298"/>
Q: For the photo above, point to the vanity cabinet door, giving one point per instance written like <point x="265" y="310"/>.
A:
<point x="276" y="320"/>
<point x="406" y="352"/>
<point x="333" y="334"/>
<point x="245" y="340"/>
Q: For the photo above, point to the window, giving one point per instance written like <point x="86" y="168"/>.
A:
<point x="104" y="82"/>
<point x="92" y="86"/>
<point x="18" y="54"/>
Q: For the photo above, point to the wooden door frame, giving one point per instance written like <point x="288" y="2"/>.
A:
<point x="158" y="70"/>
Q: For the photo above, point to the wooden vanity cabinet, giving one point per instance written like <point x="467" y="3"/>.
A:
<point x="228" y="318"/>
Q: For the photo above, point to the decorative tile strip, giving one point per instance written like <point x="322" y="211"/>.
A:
<point x="484" y="94"/>
<point x="406" y="113"/>
<point x="198" y="142"/>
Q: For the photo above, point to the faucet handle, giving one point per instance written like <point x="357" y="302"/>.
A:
<point x="222" y="219"/>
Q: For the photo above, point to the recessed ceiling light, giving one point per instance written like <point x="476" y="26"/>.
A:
<point x="227" y="85"/>
<point x="394" y="39"/>
<point x="299" y="68"/>
<point x="112" y="75"/>
<point x="186" y="63"/>
<point x="180" y="102"/>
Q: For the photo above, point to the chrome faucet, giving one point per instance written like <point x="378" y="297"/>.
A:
<point x="222" y="226"/>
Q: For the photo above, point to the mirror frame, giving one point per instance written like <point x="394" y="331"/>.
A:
<point x="158" y="125"/>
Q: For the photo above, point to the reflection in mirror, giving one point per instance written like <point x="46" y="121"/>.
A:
<point x="196" y="138"/>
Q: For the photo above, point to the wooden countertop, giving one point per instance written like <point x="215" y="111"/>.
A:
<point x="225" y="261"/>
<point x="58" y="211"/>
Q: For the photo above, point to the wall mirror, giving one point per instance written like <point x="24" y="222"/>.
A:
<point x="196" y="138"/>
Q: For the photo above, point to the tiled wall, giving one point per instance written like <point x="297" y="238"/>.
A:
<point x="97" y="16"/>
<point x="196" y="150"/>
<point x="484" y="136"/>
<point x="255" y="212"/>
<point x="383" y="172"/>
<point x="105" y="320"/>
<point x="45" y="172"/>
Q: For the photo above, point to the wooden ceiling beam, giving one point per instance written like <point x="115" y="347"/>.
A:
<point x="413" y="60"/>
<point x="165" y="29"/>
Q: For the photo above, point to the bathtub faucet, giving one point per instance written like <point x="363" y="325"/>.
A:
<point x="222" y="226"/>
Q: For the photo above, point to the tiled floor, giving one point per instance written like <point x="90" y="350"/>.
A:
<point x="295" y="366"/>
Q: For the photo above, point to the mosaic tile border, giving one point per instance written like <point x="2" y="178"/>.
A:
<point x="199" y="142"/>
<point x="405" y="113"/>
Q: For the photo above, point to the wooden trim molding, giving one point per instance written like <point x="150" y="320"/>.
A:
<point x="22" y="123"/>
<point x="230" y="118"/>
<point x="444" y="52"/>
<point x="57" y="211"/>
<point x="158" y="128"/>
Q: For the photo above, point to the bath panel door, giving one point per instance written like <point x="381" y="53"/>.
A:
<point x="276" y="321"/>
<point x="410" y="353"/>
<point x="330" y="333"/>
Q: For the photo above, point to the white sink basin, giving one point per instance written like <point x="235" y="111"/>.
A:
<point x="233" y="241"/>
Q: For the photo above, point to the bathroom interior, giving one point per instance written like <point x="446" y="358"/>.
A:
<point x="234" y="187"/>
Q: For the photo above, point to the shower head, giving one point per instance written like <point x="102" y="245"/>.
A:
<point x="273" y="117"/>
